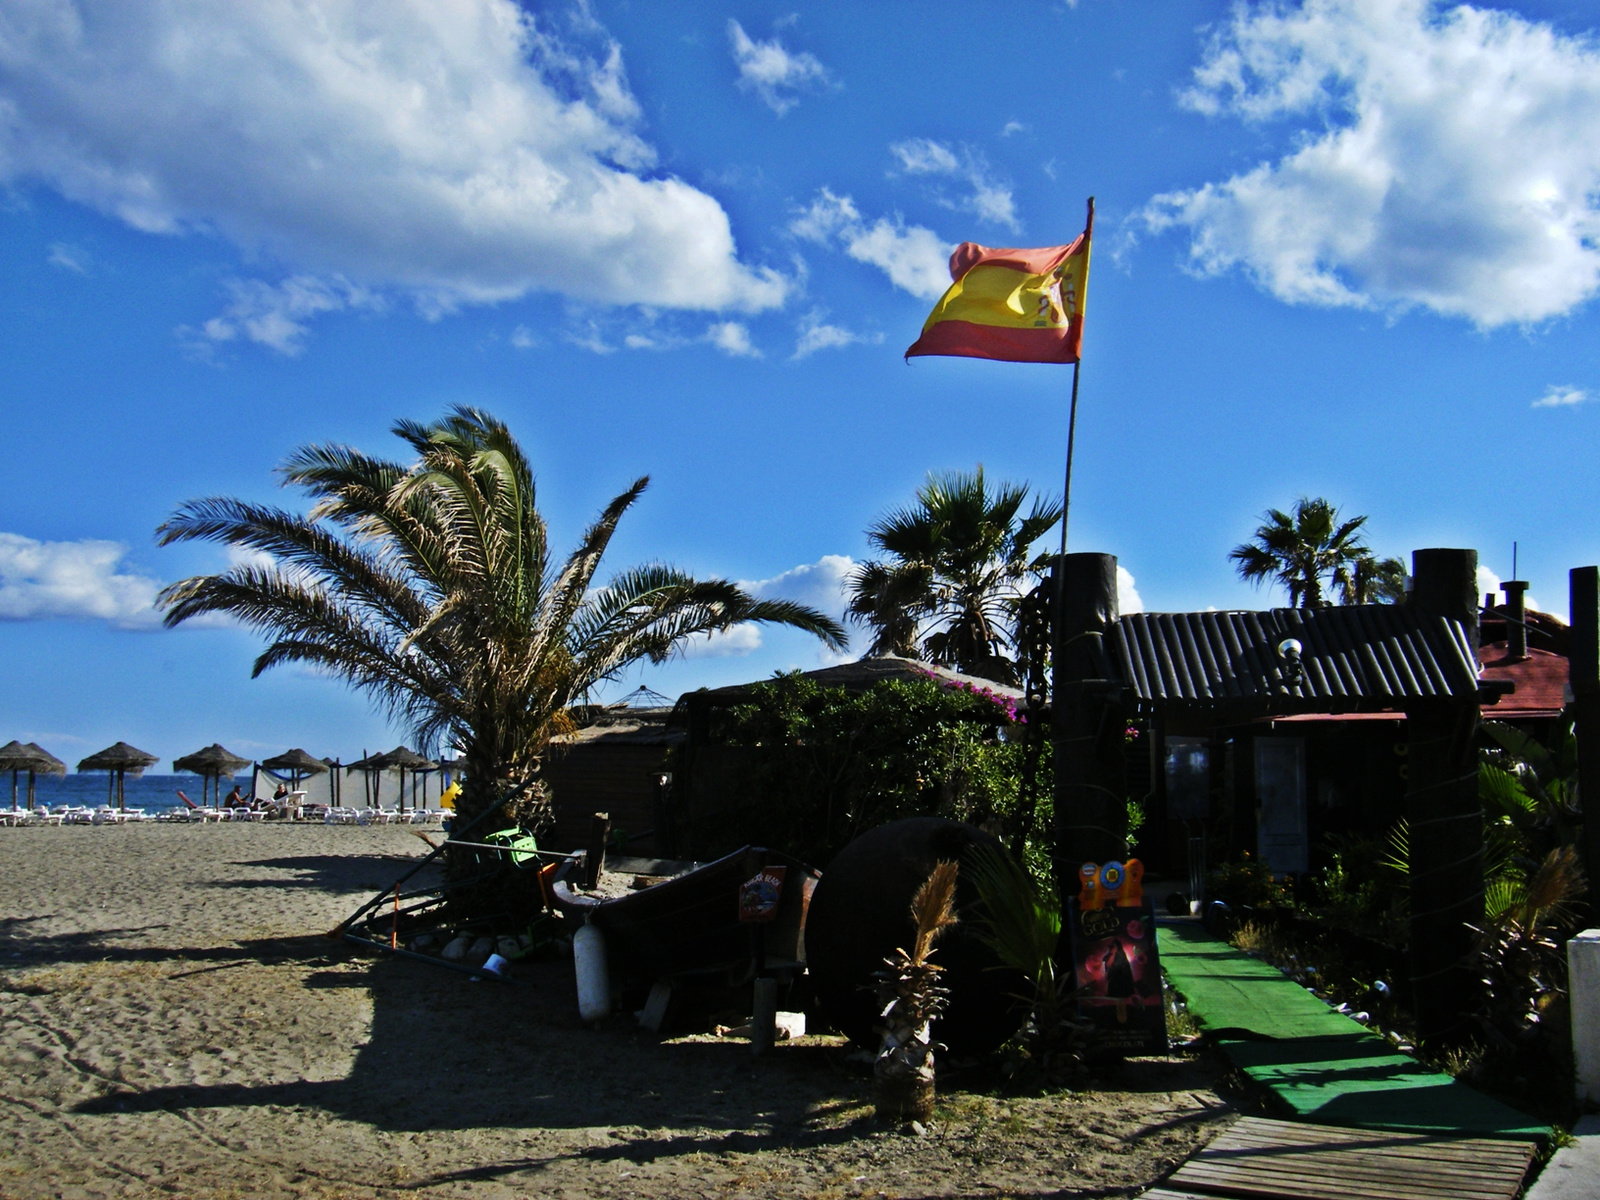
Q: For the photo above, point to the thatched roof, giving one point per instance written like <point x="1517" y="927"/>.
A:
<point x="213" y="760"/>
<point x="20" y="756"/>
<point x="406" y="760"/>
<point x="51" y="764"/>
<point x="295" y="760"/>
<point x="860" y="676"/>
<point x="121" y="757"/>
<point x="628" y="726"/>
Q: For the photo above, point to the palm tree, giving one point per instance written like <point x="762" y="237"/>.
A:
<point x="957" y="562"/>
<point x="1301" y="551"/>
<point x="432" y="587"/>
<point x="1372" y="580"/>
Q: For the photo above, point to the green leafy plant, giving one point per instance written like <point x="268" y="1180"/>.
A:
<point x="1020" y="919"/>
<point x="809" y="768"/>
<point x="1246" y="880"/>
<point x="432" y="586"/>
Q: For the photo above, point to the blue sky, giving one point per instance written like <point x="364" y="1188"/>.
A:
<point x="1345" y="248"/>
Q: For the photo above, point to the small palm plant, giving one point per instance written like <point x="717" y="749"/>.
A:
<point x="1020" y="920"/>
<point x="911" y="1000"/>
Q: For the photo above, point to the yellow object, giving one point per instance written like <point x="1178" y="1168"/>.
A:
<point x="447" y="799"/>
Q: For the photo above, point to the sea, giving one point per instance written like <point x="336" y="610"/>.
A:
<point x="153" y="793"/>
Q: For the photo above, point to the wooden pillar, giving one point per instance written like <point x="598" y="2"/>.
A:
<point x="1583" y="673"/>
<point x="1444" y="813"/>
<point x="1090" y="807"/>
<point x="594" y="862"/>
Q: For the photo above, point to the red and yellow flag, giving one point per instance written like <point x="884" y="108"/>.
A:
<point x="1012" y="305"/>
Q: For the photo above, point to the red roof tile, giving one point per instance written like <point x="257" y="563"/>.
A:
<point x="1541" y="681"/>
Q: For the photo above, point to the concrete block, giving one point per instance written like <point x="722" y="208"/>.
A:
<point x="1574" y="1172"/>
<point x="1583" y="982"/>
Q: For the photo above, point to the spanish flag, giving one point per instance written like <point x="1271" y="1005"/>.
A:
<point x="1012" y="305"/>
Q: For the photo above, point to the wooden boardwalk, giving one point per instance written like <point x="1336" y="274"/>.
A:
<point x="1256" y="1159"/>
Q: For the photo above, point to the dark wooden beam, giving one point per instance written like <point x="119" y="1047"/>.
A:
<point x="1583" y="674"/>
<point x="1445" y="817"/>
<point x="1086" y="728"/>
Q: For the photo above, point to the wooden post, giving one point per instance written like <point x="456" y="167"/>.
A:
<point x="1444" y="814"/>
<point x="1583" y="674"/>
<point x="1090" y="808"/>
<point x="594" y="861"/>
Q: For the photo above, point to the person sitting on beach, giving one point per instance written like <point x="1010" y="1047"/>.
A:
<point x="235" y="797"/>
<point x="282" y="791"/>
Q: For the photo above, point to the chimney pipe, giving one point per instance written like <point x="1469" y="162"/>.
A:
<point x="1516" y="619"/>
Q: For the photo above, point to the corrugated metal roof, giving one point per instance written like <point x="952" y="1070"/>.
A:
<point x="1352" y="656"/>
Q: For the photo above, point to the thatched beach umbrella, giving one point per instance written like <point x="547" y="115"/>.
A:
<point x="49" y="764"/>
<point x="335" y="792"/>
<point x="118" y="760"/>
<point x="212" y="763"/>
<point x="17" y="757"/>
<point x="405" y="760"/>
<point x="297" y="763"/>
<point x="368" y="765"/>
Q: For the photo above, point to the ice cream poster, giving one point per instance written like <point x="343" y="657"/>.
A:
<point x="1119" y="977"/>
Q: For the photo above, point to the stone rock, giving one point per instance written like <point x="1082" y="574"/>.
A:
<point x="457" y="949"/>
<point x="424" y="942"/>
<point x="858" y="916"/>
<point x="509" y="947"/>
<point x="480" y="951"/>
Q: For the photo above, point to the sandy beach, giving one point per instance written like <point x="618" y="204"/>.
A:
<point x="177" y="1023"/>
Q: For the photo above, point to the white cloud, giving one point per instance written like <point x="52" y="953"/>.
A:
<point x="916" y="259"/>
<point x="451" y="153"/>
<point x="1556" y="396"/>
<point x="990" y="200"/>
<point x="522" y="338"/>
<point x="727" y="643"/>
<point x="588" y="336"/>
<point x="84" y="580"/>
<point x="1011" y="127"/>
<point x="275" y="315"/>
<point x="773" y="73"/>
<point x="733" y="339"/>
<point x="1447" y="160"/>
<point x="923" y="156"/>
<point x="1128" y="598"/>
<point x="69" y="257"/>
<point x="815" y="334"/>
<point x="822" y="584"/>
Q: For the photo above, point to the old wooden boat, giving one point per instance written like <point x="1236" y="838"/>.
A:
<point x="689" y="922"/>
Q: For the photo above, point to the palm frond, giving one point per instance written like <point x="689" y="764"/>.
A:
<point x="933" y="909"/>
<point x="1017" y="919"/>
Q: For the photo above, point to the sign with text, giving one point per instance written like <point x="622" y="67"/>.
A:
<point x="758" y="897"/>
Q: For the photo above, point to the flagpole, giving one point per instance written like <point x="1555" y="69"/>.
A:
<point x="1072" y="429"/>
<point x="1060" y="597"/>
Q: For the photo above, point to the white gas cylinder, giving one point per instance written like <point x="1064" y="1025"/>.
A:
<point x="594" y="983"/>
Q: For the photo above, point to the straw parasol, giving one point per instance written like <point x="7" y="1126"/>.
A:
<point x="297" y="763"/>
<point x="405" y="760"/>
<point x="210" y="764"/>
<point x="118" y="760"/>
<point x="335" y="792"/>
<point x="368" y="765"/>
<point x="49" y="765"/>
<point x="17" y="757"/>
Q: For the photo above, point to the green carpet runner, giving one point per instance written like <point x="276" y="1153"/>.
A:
<point x="1325" y="1066"/>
